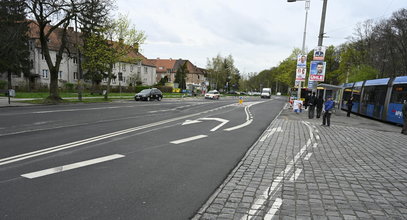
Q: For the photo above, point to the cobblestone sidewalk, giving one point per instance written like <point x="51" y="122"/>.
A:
<point x="301" y="170"/>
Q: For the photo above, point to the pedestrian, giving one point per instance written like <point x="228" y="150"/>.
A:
<point x="306" y="101"/>
<point x="349" y="104"/>
<point x="404" y="111"/>
<point x="320" y="104"/>
<point x="312" y="103"/>
<point x="329" y="105"/>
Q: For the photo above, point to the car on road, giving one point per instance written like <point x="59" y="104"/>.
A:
<point x="149" y="94"/>
<point x="266" y="93"/>
<point x="213" y="94"/>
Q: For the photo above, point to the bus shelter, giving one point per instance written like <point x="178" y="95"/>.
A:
<point x="331" y="90"/>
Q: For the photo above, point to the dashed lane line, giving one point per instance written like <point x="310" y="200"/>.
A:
<point x="67" y="167"/>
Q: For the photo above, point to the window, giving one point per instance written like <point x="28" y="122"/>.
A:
<point x="31" y="64"/>
<point x="124" y="79"/>
<point x="398" y="94"/>
<point x="131" y="68"/>
<point x="75" y="75"/>
<point x="124" y="67"/>
<point x="44" y="73"/>
<point x="60" y="74"/>
<point x="145" y="70"/>
<point x="113" y="81"/>
<point x="75" y="59"/>
<point x="138" y="70"/>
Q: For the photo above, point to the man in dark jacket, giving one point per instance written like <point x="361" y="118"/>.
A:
<point x="320" y="104"/>
<point x="404" y="111"/>
<point x="312" y="103"/>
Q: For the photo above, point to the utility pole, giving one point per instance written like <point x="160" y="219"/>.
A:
<point x="322" y="26"/>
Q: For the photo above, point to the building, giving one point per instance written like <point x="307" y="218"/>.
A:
<point x="142" y="71"/>
<point x="167" y="68"/>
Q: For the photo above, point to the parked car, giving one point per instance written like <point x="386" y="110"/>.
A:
<point x="213" y="94"/>
<point x="149" y="94"/>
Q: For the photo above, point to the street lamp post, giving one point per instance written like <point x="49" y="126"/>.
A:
<point x="307" y="6"/>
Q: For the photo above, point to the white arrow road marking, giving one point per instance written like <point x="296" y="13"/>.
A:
<point x="274" y="208"/>
<point x="180" y="141"/>
<point x="224" y="121"/>
<point x="70" y="166"/>
<point x="270" y="132"/>
<point x="188" y="122"/>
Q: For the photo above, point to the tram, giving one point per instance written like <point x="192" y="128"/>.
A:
<point x="381" y="99"/>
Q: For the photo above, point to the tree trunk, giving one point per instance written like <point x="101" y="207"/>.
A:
<point x="109" y="77"/>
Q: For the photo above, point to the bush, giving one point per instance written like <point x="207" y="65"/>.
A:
<point x="165" y="89"/>
<point x="69" y="87"/>
<point x="139" y="88"/>
<point x="3" y="84"/>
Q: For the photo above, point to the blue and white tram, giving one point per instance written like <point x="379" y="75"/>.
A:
<point x="396" y="100"/>
<point x="381" y="99"/>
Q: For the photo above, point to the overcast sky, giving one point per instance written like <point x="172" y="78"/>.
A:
<point x="258" y="33"/>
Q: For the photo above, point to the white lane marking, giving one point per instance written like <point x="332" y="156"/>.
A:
<point x="63" y="168"/>
<point x="295" y="175"/>
<point x="188" y="122"/>
<point x="180" y="141"/>
<point x="308" y="156"/>
<point x="270" y="191"/>
<point x="224" y="121"/>
<point x="315" y="145"/>
<point x="270" y="132"/>
<point x="274" y="208"/>
<point x="239" y="126"/>
<point x="79" y="109"/>
<point x="317" y="137"/>
<point x="249" y="117"/>
<point x="86" y="141"/>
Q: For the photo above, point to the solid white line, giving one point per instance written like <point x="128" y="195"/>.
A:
<point x="240" y="126"/>
<point x="270" y="191"/>
<point x="70" y="166"/>
<point x="308" y="156"/>
<point x="180" y="141"/>
<point x="295" y="175"/>
<point x="274" y="208"/>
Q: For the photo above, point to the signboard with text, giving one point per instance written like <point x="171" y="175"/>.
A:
<point x="319" y="53"/>
<point x="317" y="71"/>
<point x="301" y="74"/>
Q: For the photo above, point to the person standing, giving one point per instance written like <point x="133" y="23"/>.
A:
<point x="320" y="104"/>
<point x="404" y="111"/>
<point x="306" y="101"/>
<point x="311" y="103"/>
<point x="329" y="105"/>
<point x="349" y="104"/>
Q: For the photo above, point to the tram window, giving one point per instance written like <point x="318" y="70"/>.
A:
<point x="374" y="94"/>
<point x="356" y="94"/>
<point x="399" y="94"/>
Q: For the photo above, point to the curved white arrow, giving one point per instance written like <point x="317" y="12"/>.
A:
<point x="223" y="122"/>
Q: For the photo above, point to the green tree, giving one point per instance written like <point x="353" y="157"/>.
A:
<point x="14" y="51"/>
<point x="181" y="75"/>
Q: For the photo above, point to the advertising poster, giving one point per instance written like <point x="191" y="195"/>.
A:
<point x="317" y="71"/>
<point x="319" y="53"/>
<point x="301" y="74"/>
<point x="302" y="61"/>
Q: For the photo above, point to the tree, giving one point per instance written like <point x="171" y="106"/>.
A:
<point x="181" y="75"/>
<point x="14" y="51"/>
<point x="53" y="18"/>
<point x="118" y="39"/>
<point x="221" y="71"/>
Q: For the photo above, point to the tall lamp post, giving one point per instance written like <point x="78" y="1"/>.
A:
<point x="307" y="6"/>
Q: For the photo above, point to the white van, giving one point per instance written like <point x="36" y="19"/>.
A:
<point x="266" y="93"/>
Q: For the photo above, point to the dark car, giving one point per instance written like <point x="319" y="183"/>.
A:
<point x="149" y="94"/>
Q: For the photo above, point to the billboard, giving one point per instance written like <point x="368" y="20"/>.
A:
<point x="317" y="71"/>
<point x="301" y="74"/>
<point x="319" y="53"/>
<point x="302" y="61"/>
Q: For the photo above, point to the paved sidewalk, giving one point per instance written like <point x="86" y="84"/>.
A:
<point x="298" y="169"/>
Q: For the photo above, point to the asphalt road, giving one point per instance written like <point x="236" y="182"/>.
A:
<point x="129" y="160"/>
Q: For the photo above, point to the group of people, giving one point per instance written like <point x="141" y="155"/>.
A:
<point x="312" y="102"/>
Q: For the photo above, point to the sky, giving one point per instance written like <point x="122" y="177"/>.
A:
<point x="259" y="34"/>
